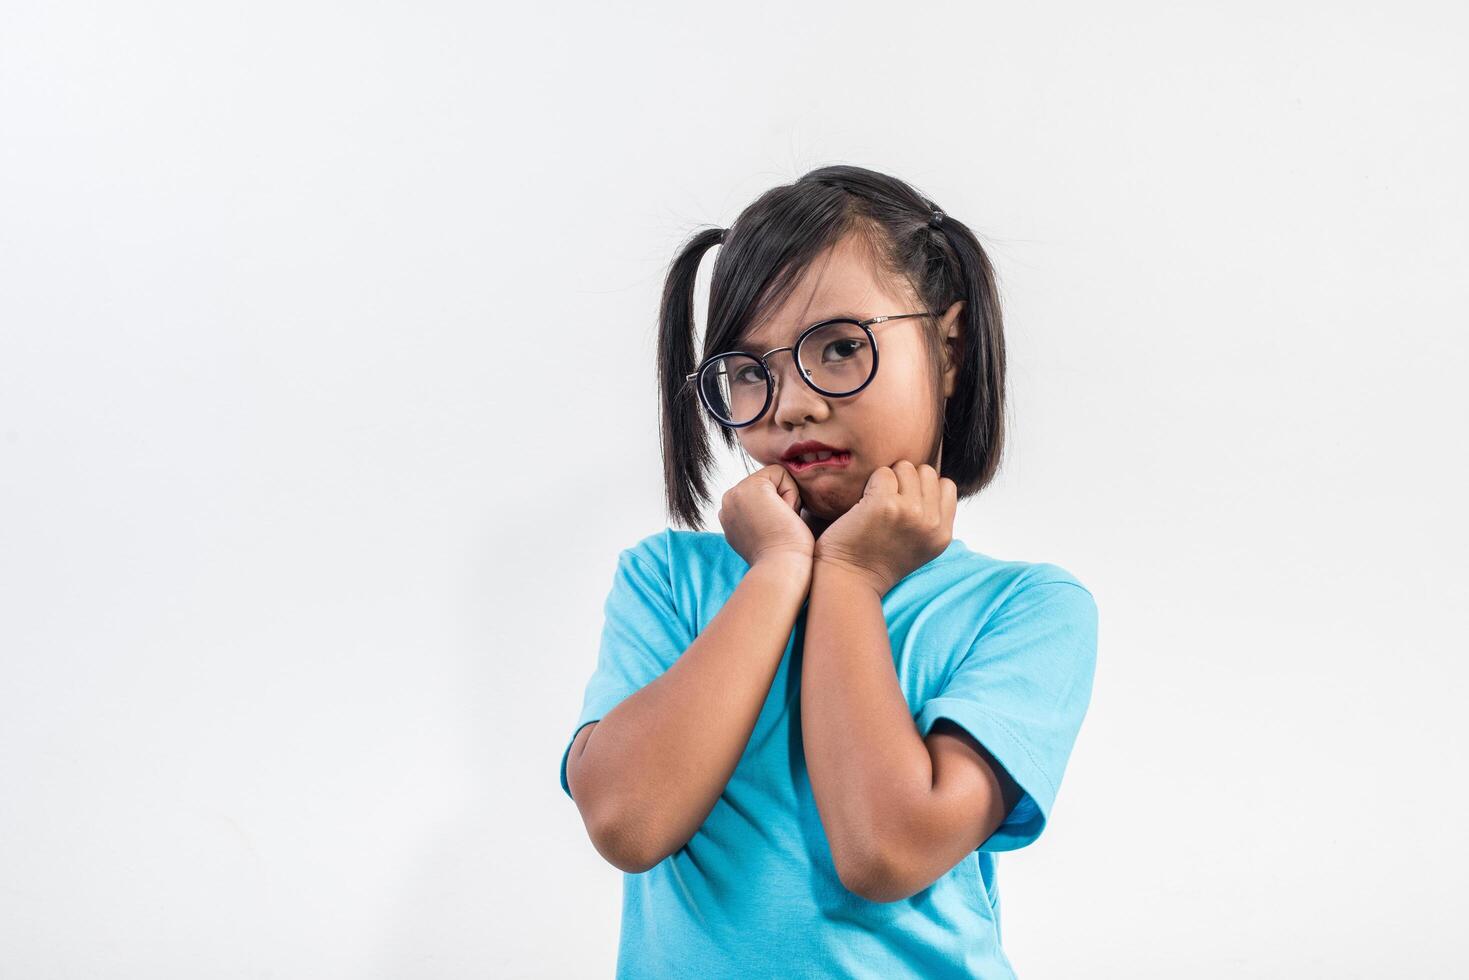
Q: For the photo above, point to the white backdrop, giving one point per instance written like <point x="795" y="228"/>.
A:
<point x="327" y="399"/>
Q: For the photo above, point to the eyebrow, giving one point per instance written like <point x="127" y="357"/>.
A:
<point x="744" y="341"/>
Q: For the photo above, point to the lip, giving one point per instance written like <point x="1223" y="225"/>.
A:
<point x="840" y="459"/>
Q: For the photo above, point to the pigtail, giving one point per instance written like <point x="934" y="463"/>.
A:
<point x="974" y="424"/>
<point x="683" y="434"/>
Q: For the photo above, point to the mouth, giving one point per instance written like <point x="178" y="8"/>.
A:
<point x="826" y="459"/>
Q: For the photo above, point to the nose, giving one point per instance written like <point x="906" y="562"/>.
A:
<point x="794" y="401"/>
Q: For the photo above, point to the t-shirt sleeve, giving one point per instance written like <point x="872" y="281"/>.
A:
<point x="642" y="634"/>
<point x="1022" y="690"/>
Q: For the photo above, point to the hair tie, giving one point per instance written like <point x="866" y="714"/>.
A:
<point x="935" y="219"/>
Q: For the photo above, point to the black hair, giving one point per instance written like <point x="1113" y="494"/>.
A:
<point x="764" y="253"/>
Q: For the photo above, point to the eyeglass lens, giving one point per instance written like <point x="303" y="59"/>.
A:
<point x="837" y="359"/>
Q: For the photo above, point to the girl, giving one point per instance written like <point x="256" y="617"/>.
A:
<point x="806" y="738"/>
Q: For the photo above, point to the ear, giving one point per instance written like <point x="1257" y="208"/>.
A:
<point x="951" y="333"/>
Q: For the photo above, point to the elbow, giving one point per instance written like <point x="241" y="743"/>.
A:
<point x="625" y="844"/>
<point x="618" y="833"/>
<point x="872" y="877"/>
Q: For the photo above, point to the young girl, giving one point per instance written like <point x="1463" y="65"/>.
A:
<point x="807" y="737"/>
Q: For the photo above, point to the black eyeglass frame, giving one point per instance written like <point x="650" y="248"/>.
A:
<point x="866" y="326"/>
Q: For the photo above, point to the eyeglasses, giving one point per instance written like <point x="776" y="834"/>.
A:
<point x="737" y="387"/>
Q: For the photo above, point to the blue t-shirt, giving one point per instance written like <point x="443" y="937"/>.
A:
<point x="1005" y="649"/>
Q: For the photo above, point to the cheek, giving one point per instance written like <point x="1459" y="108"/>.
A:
<point x="762" y="451"/>
<point x="889" y="407"/>
<point x="887" y="420"/>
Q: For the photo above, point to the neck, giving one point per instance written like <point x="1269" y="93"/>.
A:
<point x="816" y="524"/>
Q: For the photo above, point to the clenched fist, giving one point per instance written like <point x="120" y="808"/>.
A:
<point x="904" y="520"/>
<point x="761" y="517"/>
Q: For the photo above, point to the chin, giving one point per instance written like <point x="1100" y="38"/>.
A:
<point x="826" y="504"/>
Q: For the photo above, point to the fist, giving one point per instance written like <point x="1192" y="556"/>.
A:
<point x="904" y="520"/>
<point x="761" y="518"/>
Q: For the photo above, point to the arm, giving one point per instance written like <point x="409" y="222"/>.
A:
<point x="647" y="774"/>
<point x="898" y="810"/>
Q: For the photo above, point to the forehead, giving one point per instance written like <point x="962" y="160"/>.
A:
<point x="766" y="339"/>
<point x="840" y="282"/>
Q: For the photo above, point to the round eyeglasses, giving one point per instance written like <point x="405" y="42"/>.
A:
<point x="836" y="358"/>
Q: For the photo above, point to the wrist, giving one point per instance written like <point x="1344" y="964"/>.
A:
<point x="836" y="570"/>
<point x="787" y="567"/>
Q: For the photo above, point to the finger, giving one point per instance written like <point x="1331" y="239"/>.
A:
<point x="928" y="478"/>
<point x="949" y="494"/>
<point x="785" y="485"/>
<point x="907" y="476"/>
<point x="882" y="482"/>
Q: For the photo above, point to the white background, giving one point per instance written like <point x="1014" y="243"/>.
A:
<point x="327" y="400"/>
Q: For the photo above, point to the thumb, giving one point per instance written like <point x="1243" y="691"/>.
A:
<point x="786" y="488"/>
<point x="881" y="480"/>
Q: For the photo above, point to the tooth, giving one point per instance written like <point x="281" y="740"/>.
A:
<point x="825" y="454"/>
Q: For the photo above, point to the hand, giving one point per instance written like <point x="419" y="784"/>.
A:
<point x="760" y="517"/>
<point x="904" y="520"/>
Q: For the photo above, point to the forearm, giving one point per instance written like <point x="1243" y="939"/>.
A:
<point x="654" y="766"/>
<point x="867" y="763"/>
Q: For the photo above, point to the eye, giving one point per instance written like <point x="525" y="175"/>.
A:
<point x="751" y="374"/>
<point x="841" y="350"/>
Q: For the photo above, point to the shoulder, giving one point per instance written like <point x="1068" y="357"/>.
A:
<point x="1007" y="589"/>
<point x="670" y="546"/>
<point x="1050" y="576"/>
<point x="1005" y="577"/>
<point x="690" y="557"/>
<point x="1048" y="600"/>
